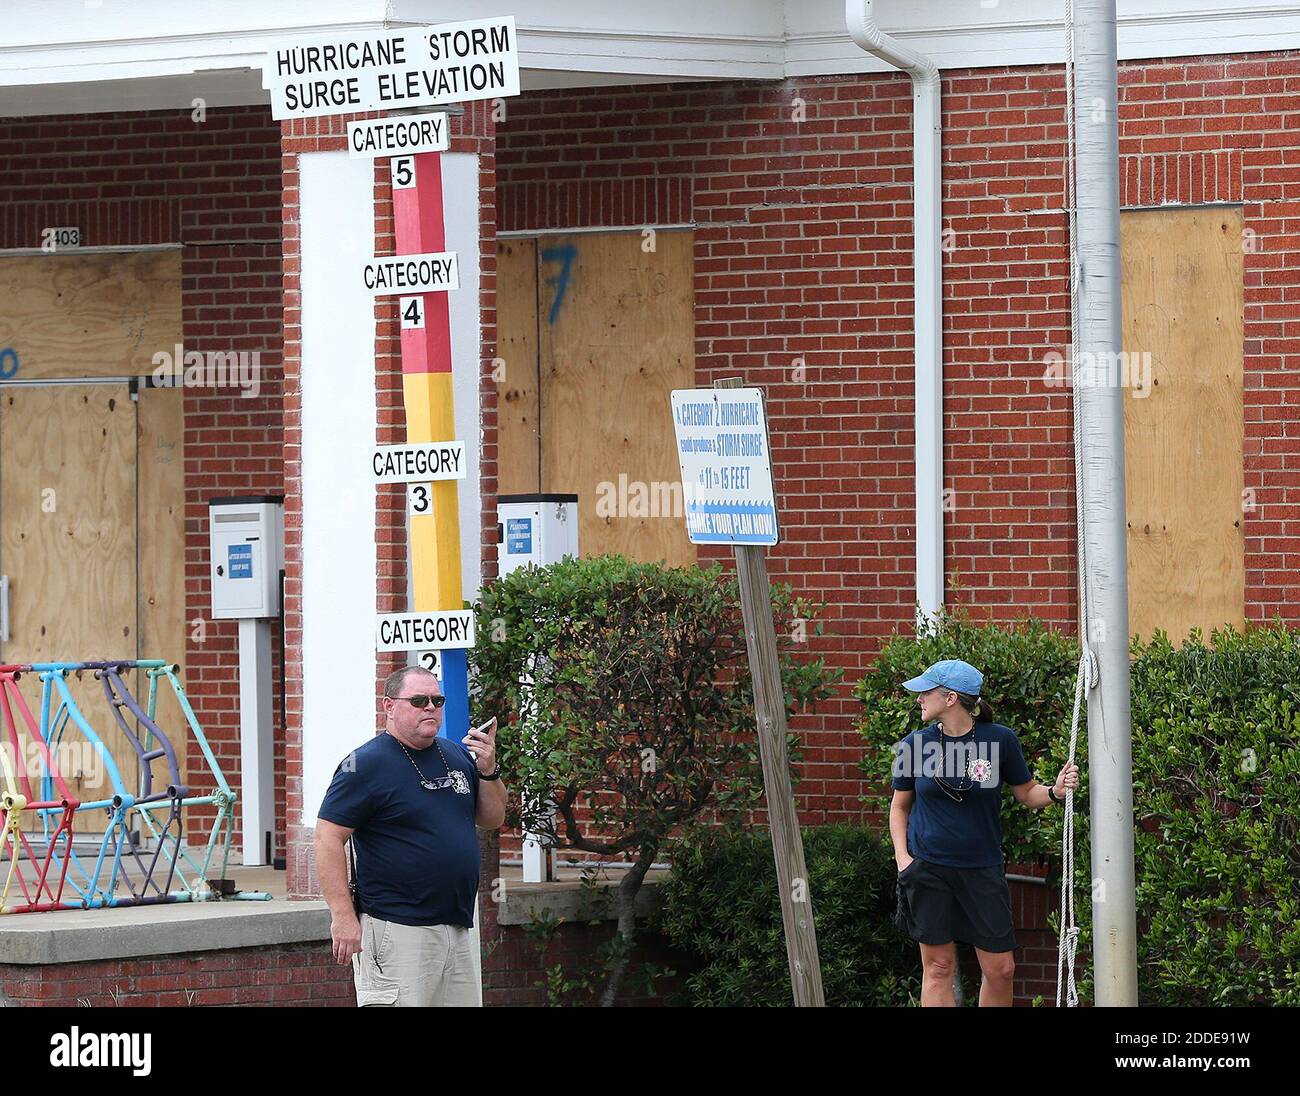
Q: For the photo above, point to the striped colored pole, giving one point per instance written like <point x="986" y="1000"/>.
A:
<point x="420" y="228"/>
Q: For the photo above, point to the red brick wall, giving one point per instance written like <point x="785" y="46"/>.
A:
<point x="800" y="193"/>
<point x="290" y="974"/>
<point x="472" y="131"/>
<point x="213" y="186"/>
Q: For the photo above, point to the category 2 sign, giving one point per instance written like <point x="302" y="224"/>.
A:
<point x="726" y="466"/>
<point x="385" y="70"/>
<point x="448" y="630"/>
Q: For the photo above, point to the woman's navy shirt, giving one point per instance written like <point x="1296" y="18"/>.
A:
<point x="966" y="834"/>
<point x="417" y="850"/>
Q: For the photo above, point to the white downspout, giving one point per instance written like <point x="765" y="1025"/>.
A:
<point x="927" y="325"/>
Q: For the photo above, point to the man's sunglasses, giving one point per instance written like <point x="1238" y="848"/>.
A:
<point x="422" y="701"/>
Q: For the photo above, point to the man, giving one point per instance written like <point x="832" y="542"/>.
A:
<point x="411" y="802"/>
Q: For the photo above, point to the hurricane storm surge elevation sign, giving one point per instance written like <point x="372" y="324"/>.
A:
<point x="726" y="466"/>
<point x="385" y="70"/>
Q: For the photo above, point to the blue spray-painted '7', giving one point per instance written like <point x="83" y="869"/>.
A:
<point x="8" y="363"/>
<point x="565" y="255"/>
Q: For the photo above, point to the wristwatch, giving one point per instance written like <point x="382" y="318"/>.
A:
<point x="1051" y="794"/>
<point x="494" y="775"/>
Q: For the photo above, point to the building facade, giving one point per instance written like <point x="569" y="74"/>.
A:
<point x="680" y="194"/>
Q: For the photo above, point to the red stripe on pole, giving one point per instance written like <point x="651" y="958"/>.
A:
<point x="418" y="223"/>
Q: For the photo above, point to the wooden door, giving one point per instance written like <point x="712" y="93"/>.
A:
<point x="68" y="546"/>
<point x="596" y="329"/>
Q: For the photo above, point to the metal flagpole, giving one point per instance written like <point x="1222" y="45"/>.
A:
<point x="1098" y="386"/>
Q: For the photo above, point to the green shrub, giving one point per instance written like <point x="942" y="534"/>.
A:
<point x="1216" y="791"/>
<point x="639" y="717"/>
<point x="721" y="905"/>
<point x="641" y="705"/>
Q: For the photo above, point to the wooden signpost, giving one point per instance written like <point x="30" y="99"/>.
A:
<point x="727" y="485"/>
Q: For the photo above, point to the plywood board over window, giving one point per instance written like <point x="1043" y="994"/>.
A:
<point x="88" y="314"/>
<point x="1183" y="419"/>
<point x="608" y="320"/>
<point x="613" y="346"/>
<point x="67" y="501"/>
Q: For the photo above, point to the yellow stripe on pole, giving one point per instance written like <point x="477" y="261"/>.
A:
<point x="430" y="416"/>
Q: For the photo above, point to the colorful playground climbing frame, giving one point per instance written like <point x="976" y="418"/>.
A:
<point x="139" y="855"/>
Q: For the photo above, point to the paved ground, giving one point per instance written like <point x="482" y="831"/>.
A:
<point x="77" y="935"/>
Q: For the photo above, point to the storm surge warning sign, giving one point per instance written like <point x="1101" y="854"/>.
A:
<point x="446" y="63"/>
<point x="726" y="466"/>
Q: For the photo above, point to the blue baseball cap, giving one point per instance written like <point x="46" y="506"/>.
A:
<point x="951" y="673"/>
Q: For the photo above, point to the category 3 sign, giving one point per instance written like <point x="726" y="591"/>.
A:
<point x="419" y="463"/>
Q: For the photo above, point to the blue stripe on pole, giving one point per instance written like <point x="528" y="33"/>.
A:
<point x="455" y="686"/>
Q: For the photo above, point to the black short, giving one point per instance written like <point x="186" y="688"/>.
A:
<point x="938" y="904"/>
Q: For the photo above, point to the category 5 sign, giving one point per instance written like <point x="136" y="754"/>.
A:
<point x="398" y="136"/>
<point x="726" y="466"/>
<point x="446" y="63"/>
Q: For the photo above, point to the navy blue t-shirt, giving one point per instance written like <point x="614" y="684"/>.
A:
<point x="416" y="850"/>
<point x="966" y="834"/>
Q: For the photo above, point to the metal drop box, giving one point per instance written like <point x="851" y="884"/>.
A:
<point x="535" y="529"/>
<point x="246" y="534"/>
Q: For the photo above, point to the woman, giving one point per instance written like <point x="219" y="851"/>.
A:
<point x="945" y="823"/>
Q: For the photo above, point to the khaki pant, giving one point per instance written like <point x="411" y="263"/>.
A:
<point x="421" y="966"/>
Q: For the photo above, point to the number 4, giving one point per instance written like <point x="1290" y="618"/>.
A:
<point x="412" y="312"/>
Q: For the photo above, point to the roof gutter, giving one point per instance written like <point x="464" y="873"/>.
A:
<point x="927" y="327"/>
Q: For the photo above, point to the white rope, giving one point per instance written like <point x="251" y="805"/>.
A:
<point x="1086" y="677"/>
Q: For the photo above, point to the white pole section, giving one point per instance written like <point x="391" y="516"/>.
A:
<point x="1098" y="385"/>
<point x="256" y="765"/>
<point x="927" y="274"/>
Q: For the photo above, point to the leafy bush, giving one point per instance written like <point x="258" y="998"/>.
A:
<point x="721" y="905"/>
<point x="1216" y="791"/>
<point x="630" y="707"/>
